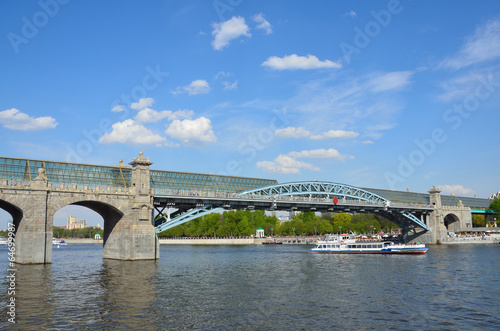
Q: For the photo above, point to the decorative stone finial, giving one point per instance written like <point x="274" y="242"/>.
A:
<point x="121" y="165"/>
<point x="41" y="175"/>
<point x="140" y="160"/>
<point x="434" y="189"/>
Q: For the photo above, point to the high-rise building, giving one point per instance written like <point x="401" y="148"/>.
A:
<point x="73" y="223"/>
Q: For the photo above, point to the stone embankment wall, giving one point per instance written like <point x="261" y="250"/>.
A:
<point x="216" y="241"/>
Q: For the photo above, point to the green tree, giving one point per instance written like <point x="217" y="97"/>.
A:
<point x="478" y="221"/>
<point x="495" y="206"/>
<point x="341" y="221"/>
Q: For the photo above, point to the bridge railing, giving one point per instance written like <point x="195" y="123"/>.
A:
<point x="284" y="198"/>
<point x="26" y="184"/>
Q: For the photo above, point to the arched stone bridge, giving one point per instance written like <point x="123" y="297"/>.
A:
<point x="128" y="197"/>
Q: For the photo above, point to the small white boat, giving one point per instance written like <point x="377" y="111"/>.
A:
<point x="3" y="241"/>
<point x="58" y="242"/>
<point x="347" y="244"/>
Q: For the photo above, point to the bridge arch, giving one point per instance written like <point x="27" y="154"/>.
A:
<point x="317" y="188"/>
<point x="452" y="222"/>
<point x="109" y="212"/>
<point x="15" y="212"/>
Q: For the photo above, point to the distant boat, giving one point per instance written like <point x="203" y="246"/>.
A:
<point x="58" y="242"/>
<point x="3" y="241"/>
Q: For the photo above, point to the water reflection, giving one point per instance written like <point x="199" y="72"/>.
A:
<point x="34" y="303"/>
<point x="129" y="290"/>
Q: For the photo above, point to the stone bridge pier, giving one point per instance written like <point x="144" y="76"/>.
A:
<point x="127" y="212"/>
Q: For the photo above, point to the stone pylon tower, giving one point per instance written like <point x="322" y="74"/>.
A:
<point x="133" y="237"/>
<point x="436" y="219"/>
<point x="141" y="187"/>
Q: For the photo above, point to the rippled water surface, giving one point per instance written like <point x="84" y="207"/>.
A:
<point x="281" y="287"/>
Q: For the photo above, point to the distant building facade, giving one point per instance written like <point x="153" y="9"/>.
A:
<point x="73" y="223"/>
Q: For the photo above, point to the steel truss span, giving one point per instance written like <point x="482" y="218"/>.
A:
<point x="317" y="188"/>
<point x="313" y="194"/>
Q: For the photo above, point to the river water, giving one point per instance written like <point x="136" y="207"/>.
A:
<point x="279" y="287"/>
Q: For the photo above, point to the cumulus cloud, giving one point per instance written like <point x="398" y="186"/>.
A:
<point x="292" y="132"/>
<point x="285" y="164"/>
<point x="198" y="86"/>
<point x="336" y="134"/>
<point x="130" y="132"/>
<point x="15" y="120"/>
<point x="229" y="30"/>
<point x="483" y="45"/>
<point x="149" y="115"/>
<point x="295" y="62"/>
<point x="288" y="164"/>
<point x="118" y="108"/>
<point x="263" y="23"/>
<point x="142" y="103"/>
<point x="192" y="131"/>
<point x="456" y="189"/>
<point x="390" y="81"/>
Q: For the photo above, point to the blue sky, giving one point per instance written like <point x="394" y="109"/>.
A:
<point x="384" y="94"/>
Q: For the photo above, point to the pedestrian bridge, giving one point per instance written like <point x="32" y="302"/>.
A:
<point x="126" y="196"/>
<point x="297" y="196"/>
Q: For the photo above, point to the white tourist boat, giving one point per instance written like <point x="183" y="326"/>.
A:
<point x="3" y="241"/>
<point x="347" y="244"/>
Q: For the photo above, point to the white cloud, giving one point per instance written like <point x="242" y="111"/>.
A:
<point x="321" y="154"/>
<point x="456" y="189"/>
<point x="285" y="164"/>
<point x="130" y="132"/>
<point x="294" y="62"/>
<point x="367" y="142"/>
<point x="15" y="120"/>
<point x="226" y="31"/>
<point x="300" y="132"/>
<point x="351" y="13"/>
<point x="390" y="81"/>
<point x="230" y="86"/>
<point x="292" y="132"/>
<point x="264" y="24"/>
<point x="336" y="134"/>
<point x="118" y="108"/>
<point x="288" y="164"/>
<point x="192" y="131"/>
<point x="198" y="86"/>
<point x="142" y="103"/>
<point x="483" y="45"/>
<point x="149" y="115"/>
<point x="181" y="114"/>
